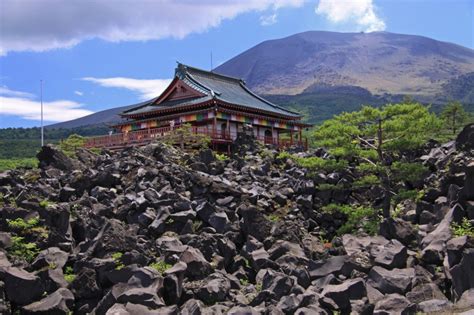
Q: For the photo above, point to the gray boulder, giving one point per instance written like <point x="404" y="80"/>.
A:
<point x="215" y="289"/>
<point x="391" y="281"/>
<point x="462" y="274"/>
<point x="21" y="287"/>
<point x="394" y="304"/>
<point x="52" y="257"/>
<point x="58" y="302"/>
<point x="337" y="265"/>
<point x="341" y="294"/>
<point x="197" y="265"/>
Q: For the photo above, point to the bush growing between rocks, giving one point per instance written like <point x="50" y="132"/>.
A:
<point x="21" y="249"/>
<point x="117" y="257"/>
<point x="362" y="217"/>
<point x="20" y="224"/>
<point x="465" y="228"/>
<point x="314" y="163"/>
<point x="69" y="275"/>
<point x="160" y="266"/>
<point x="71" y="144"/>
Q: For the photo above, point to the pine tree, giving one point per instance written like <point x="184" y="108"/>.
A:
<point x="378" y="138"/>
<point x="454" y="116"/>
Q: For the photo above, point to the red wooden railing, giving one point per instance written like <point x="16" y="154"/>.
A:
<point x="142" y="137"/>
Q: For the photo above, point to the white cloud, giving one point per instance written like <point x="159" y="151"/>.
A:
<point x="7" y="92"/>
<point x="78" y="93"/>
<point x="147" y="89"/>
<point x="32" y="25"/>
<point x="55" y="111"/>
<point x="266" y="20"/>
<point x="362" y="12"/>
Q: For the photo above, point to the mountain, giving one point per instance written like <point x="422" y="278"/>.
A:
<point x="105" y="117"/>
<point x="380" y="62"/>
<point x="324" y="73"/>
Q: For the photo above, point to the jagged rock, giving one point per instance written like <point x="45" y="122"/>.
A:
<point x="85" y="284"/>
<point x="468" y="189"/>
<point x="172" y="288"/>
<point x="215" y="289"/>
<point x="337" y="265"/>
<point x="341" y="294"/>
<point x="390" y="255"/>
<point x="52" y="279"/>
<point x="394" y="304"/>
<point x="462" y="274"/>
<point x="289" y="304"/>
<point x="434" y="244"/>
<point x="434" y="305"/>
<point x="50" y="156"/>
<point x="465" y="139"/>
<point x="59" y="302"/>
<point x="281" y="248"/>
<point x="52" y="257"/>
<point x="391" y="281"/>
<point x="5" y="240"/>
<point x="394" y="228"/>
<point x="4" y="305"/>
<point x="466" y="301"/>
<point x="144" y="296"/>
<point x="240" y="310"/>
<point x="197" y="265"/>
<point x="423" y="292"/>
<point x="254" y="223"/>
<point x="21" y="287"/>
<point x="192" y="307"/>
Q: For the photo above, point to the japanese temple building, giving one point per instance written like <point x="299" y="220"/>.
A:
<point x="213" y="104"/>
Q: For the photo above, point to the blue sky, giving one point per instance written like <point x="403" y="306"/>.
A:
<point x="93" y="55"/>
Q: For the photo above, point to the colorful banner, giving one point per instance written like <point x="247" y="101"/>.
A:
<point x="209" y="115"/>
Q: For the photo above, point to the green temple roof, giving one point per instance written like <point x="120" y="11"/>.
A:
<point x="213" y="86"/>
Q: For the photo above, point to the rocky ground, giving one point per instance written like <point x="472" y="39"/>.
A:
<point x="154" y="230"/>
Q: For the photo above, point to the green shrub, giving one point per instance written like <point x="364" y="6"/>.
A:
<point x="71" y="144"/>
<point x="45" y="203"/>
<point x="220" y="156"/>
<point x="69" y="275"/>
<point x="22" y="249"/>
<point x="117" y="257"/>
<point x="465" y="228"/>
<point x="357" y="217"/>
<point x="160" y="266"/>
<point x="9" y="164"/>
<point x="20" y="224"/>
<point x="367" y="181"/>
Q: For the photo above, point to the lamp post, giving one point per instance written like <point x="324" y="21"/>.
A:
<point x="42" y="131"/>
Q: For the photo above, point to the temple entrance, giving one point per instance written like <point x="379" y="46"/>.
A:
<point x="223" y="130"/>
<point x="268" y="136"/>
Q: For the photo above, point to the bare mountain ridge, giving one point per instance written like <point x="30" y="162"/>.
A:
<point x="380" y="62"/>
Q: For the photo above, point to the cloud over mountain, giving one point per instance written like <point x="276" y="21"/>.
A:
<point x="32" y="25"/>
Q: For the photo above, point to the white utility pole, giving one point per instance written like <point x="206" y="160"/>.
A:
<point x="42" y="131"/>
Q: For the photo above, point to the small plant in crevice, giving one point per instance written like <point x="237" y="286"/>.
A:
<point x="69" y="275"/>
<point x="161" y="266"/>
<point x="465" y="228"/>
<point x="22" y="249"/>
<point x="117" y="257"/>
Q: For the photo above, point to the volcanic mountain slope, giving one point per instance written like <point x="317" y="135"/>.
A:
<point x="379" y="62"/>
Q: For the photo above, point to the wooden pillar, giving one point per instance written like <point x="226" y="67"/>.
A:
<point x="301" y="138"/>
<point x="214" y="126"/>
<point x="228" y="129"/>
<point x="291" y="137"/>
